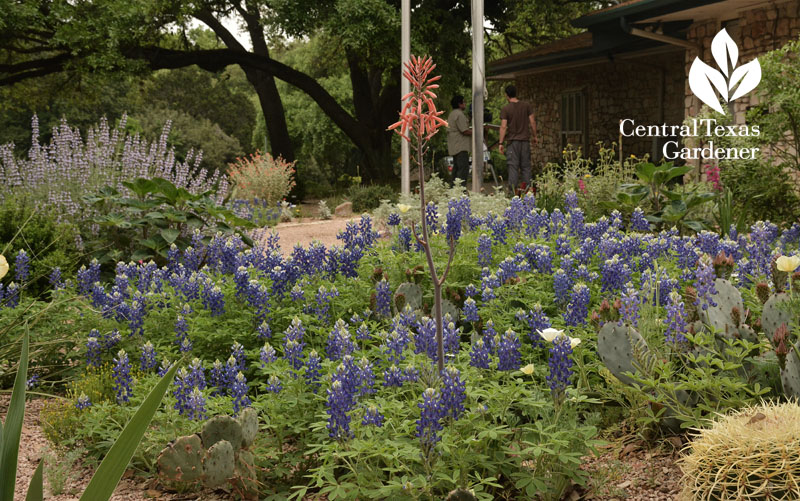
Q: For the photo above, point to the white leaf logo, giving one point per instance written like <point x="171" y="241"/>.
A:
<point x="709" y="84"/>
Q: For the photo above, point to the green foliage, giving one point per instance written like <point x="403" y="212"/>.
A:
<point x="48" y="242"/>
<point x="160" y="215"/>
<point x="365" y="198"/>
<point x="668" y="206"/>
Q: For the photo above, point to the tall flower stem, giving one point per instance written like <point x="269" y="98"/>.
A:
<point x="420" y="120"/>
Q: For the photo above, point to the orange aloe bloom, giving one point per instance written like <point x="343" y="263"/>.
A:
<point x="419" y="113"/>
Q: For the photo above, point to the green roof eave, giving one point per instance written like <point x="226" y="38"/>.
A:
<point x="641" y="10"/>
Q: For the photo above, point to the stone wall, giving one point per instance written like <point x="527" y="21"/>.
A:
<point x="649" y="90"/>
<point x="757" y="31"/>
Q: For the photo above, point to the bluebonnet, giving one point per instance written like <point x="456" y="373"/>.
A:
<point x="136" y="313"/>
<point x="489" y="334"/>
<point x="93" y="351"/>
<point x="542" y="258"/>
<point x="499" y="227"/>
<point x="453" y="393"/>
<point x="22" y="266"/>
<point x="110" y="340"/>
<point x="431" y="216"/>
<point x="264" y="332"/>
<point x="83" y="402"/>
<point x="470" y="290"/>
<point x="183" y="388"/>
<point x="164" y="367"/>
<point x="425" y="339"/>
<point x="408" y="318"/>
<point x="479" y="355"/>
<point x="578" y="306"/>
<point x="411" y="374"/>
<point x="239" y="393"/>
<point x="313" y="367"/>
<point x="471" y="310"/>
<point x="237" y="352"/>
<point x="393" y="376"/>
<point x="297" y="293"/>
<point x="704" y="283"/>
<point x="323" y="299"/>
<point x="87" y="277"/>
<point x="489" y="283"/>
<point x="267" y="355"/>
<point x="372" y="417"/>
<point x="148" y="358"/>
<point x="214" y="300"/>
<point x="395" y="343"/>
<point x="630" y="306"/>
<point x="293" y="352"/>
<point x="338" y="407"/>
<point x="182" y="334"/>
<point x="508" y="355"/>
<point x="561" y="285"/>
<point x="615" y="274"/>
<point x="366" y="377"/>
<point x="536" y="320"/>
<point x="197" y="374"/>
<point x="122" y="377"/>
<point x="362" y="332"/>
<point x="560" y="364"/>
<point x="242" y="281"/>
<point x="393" y="219"/>
<point x="32" y="381"/>
<point x="452" y="224"/>
<point x="55" y="279"/>
<point x="576" y="219"/>
<point x="339" y="342"/>
<point x="638" y="220"/>
<point x="383" y="298"/>
<point x="274" y="384"/>
<point x="675" y="320"/>
<point x="196" y="405"/>
<point x="484" y="250"/>
<point x="571" y="200"/>
<point x="173" y="257"/>
<point x="429" y="422"/>
<point x="404" y="239"/>
<point x="515" y="213"/>
<point x="451" y="337"/>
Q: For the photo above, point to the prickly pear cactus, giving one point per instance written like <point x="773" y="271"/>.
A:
<point x="219" y="464"/>
<point x="773" y="314"/>
<point x="245" y="479"/>
<point x="615" y="349"/>
<point x="719" y="317"/>
<point x="248" y="421"/>
<point x="448" y="308"/>
<point x="180" y="464"/>
<point x="790" y="375"/>
<point x="408" y="293"/>
<point x="221" y="428"/>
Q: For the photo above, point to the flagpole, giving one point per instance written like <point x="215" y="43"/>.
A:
<point x="405" y="55"/>
<point x="477" y="94"/>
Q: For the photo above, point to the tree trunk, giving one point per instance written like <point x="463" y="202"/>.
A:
<point x="274" y="114"/>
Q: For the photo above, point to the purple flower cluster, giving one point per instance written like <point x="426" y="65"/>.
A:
<point x="704" y="283"/>
<point x="383" y="298"/>
<point x="560" y="363"/>
<point x="508" y="355"/>
<point x="122" y="377"/>
<point x="578" y="306"/>
<point x="675" y="320"/>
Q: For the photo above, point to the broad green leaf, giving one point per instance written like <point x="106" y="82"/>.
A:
<point x="110" y="471"/>
<point x="170" y="234"/>
<point x="141" y="255"/>
<point x="12" y="428"/>
<point x="35" y="488"/>
<point x="140" y="186"/>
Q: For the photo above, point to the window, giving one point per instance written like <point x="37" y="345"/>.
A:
<point x="573" y="119"/>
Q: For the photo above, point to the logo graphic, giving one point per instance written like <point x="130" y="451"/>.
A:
<point x="731" y="83"/>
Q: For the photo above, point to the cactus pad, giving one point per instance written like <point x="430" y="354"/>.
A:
<point x="461" y="494"/>
<point x="180" y="464"/>
<point x="719" y="317"/>
<point x="790" y="375"/>
<point x="615" y="348"/>
<point x="221" y="428"/>
<point x="448" y="308"/>
<point x="218" y="465"/>
<point x="773" y="314"/>
<point x="248" y="420"/>
<point x="408" y="293"/>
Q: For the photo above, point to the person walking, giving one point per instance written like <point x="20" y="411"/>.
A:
<point x="517" y="123"/>
<point x="459" y="142"/>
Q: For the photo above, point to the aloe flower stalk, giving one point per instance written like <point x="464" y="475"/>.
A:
<point x="419" y="122"/>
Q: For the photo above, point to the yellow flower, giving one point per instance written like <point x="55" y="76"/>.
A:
<point x="550" y="334"/>
<point x="784" y="263"/>
<point x="587" y="176"/>
<point x="527" y="370"/>
<point x="573" y="342"/>
<point x="3" y="266"/>
<point x="633" y="156"/>
<point x="403" y="208"/>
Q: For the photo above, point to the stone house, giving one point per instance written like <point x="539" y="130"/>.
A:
<point x="632" y="62"/>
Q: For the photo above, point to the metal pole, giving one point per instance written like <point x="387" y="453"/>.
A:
<point x="405" y="87"/>
<point x="477" y="94"/>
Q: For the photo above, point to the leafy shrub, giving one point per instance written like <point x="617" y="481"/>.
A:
<point x="48" y="242"/>
<point x="366" y="198"/>
<point x="160" y="216"/>
<point x="263" y="177"/>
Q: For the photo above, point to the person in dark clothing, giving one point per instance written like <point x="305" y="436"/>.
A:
<point x="517" y="126"/>
<point x="459" y="138"/>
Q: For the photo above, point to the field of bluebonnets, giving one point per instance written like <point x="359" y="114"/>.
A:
<point x="308" y="372"/>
